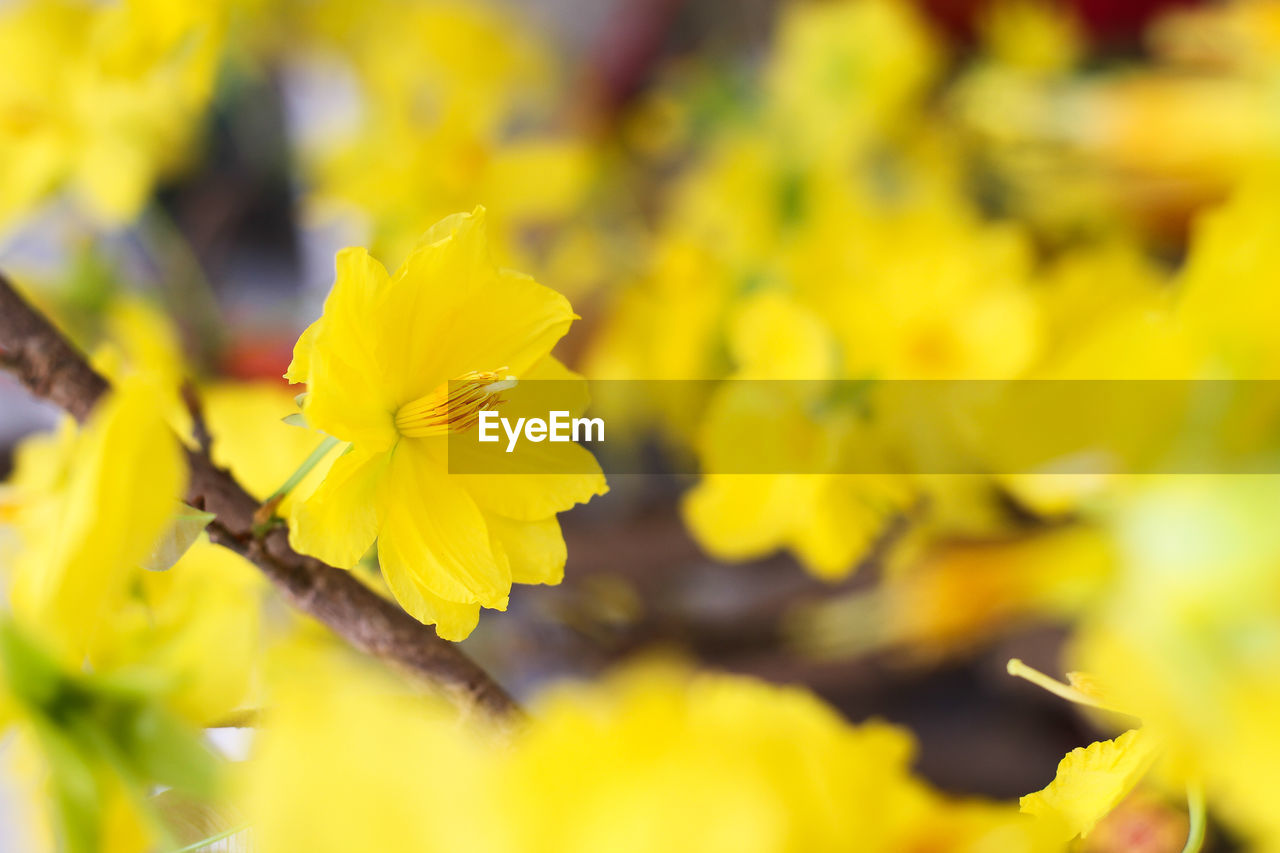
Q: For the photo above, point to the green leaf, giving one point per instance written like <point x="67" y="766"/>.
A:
<point x="186" y="528"/>
<point x="33" y="677"/>
<point x="79" y="800"/>
<point x="163" y="750"/>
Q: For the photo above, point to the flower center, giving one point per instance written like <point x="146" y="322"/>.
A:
<point x="453" y="406"/>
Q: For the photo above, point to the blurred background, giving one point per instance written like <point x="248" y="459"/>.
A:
<point x="941" y="188"/>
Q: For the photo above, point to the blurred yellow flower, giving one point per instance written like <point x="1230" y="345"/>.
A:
<point x="198" y="623"/>
<point x="1186" y="636"/>
<point x="1032" y="35"/>
<point x="650" y="759"/>
<point x="1091" y="780"/>
<point x="844" y="76"/>
<point x="101" y="98"/>
<point x="88" y="507"/>
<point x="1226" y="305"/>
<point x="91" y="505"/>
<point x="956" y="596"/>
<point x="429" y="171"/>
<point x="378" y="366"/>
<point x="801" y="501"/>
<point x="456" y="108"/>
<point x="931" y="292"/>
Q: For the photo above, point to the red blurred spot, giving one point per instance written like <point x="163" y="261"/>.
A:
<point x="1108" y="22"/>
<point x="257" y="358"/>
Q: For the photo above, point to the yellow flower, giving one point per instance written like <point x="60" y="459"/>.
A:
<point x="793" y="499"/>
<point x="454" y="109"/>
<point x="1031" y="35"/>
<point x="846" y="75"/>
<point x="429" y="171"/>
<point x="101" y="98"/>
<point x="1091" y="780"/>
<point x="377" y="365"/>
<point x="91" y="505"/>
<point x="1226" y="300"/>
<point x="653" y="758"/>
<point x="198" y="623"/>
<point x="1186" y="636"/>
<point x="932" y="292"/>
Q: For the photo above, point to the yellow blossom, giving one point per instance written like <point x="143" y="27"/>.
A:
<point x="800" y="501"/>
<point x="378" y="366"/>
<point x="653" y="758"/>
<point x="1092" y="780"/>
<point x="1185" y="636"/>
<point x="92" y="503"/>
<point x="101" y="98"/>
<point x="455" y="107"/>
<point x="198" y="623"/>
<point x="89" y="506"/>
<point x="845" y="75"/>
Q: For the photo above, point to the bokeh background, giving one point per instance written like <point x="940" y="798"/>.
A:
<point x="956" y="189"/>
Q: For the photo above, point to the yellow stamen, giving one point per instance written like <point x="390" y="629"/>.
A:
<point x="1018" y="669"/>
<point x="453" y="406"/>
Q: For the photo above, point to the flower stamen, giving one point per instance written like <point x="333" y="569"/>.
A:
<point x="1070" y="692"/>
<point x="453" y="406"/>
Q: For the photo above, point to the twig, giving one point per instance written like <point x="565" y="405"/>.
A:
<point x="42" y="358"/>
<point x="199" y="426"/>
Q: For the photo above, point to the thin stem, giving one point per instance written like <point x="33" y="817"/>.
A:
<point x="322" y="450"/>
<point x="1196" y="818"/>
<point x="1018" y="669"/>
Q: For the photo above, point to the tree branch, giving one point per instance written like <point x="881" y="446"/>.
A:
<point x="42" y="358"/>
<point x="195" y="408"/>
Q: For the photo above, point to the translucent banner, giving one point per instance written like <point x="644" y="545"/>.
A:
<point x="740" y="426"/>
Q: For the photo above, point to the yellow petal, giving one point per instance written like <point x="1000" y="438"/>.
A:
<point x="338" y="521"/>
<point x="1092" y="780"/>
<point x="125" y="475"/>
<point x="114" y="178"/>
<point x="773" y="337"/>
<point x="453" y="621"/>
<point x="433" y="536"/>
<point x="840" y="523"/>
<point x="535" y="549"/>
<point x="300" y="366"/>
<point x="738" y="516"/>
<point x="348" y="371"/>
<point x="539" y="479"/>
<point x="449" y="311"/>
<point x="569" y="388"/>
<point x="198" y="623"/>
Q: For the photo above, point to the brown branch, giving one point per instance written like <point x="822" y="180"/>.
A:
<point x="195" y="408"/>
<point x="52" y="368"/>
